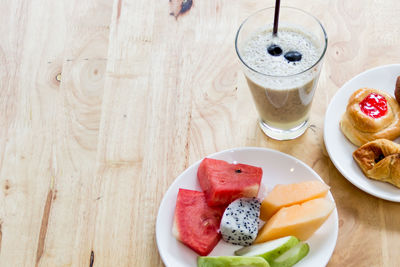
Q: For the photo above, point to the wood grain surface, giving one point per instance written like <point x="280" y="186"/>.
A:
<point x="104" y="103"/>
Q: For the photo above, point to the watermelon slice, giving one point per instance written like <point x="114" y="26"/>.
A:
<point x="222" y="182"/>
<point x="195" y="223"/>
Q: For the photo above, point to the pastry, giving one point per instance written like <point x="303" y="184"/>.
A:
<point x="397" y="90"/>
<point x="370" y="114"/>
<point x="380" y="160"/>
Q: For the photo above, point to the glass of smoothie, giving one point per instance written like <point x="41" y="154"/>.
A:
<point x="282" y="70"/>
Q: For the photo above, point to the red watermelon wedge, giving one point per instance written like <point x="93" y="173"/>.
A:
<point x="195" y="223"/>
<point x="223" y="182"/>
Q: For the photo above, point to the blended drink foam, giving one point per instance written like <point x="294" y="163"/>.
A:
<point x="284" y="90"/>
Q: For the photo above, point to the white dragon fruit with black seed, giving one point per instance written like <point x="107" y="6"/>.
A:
<point x="239" y="224"/>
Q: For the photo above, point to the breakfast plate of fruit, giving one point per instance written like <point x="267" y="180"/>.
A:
<point x="362" y="129"/>
<point x="247" y="207"/>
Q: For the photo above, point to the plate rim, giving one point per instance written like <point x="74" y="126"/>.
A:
<point x="264" y="149"/>
<point x="342" y="171"/>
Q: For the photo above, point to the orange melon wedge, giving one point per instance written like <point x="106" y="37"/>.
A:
<point x="300" y="220"/>
<point x="290" y="194"/>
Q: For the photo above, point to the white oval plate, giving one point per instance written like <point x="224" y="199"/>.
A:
<point x="278" y="168"/>
<point x="339" y="148"/>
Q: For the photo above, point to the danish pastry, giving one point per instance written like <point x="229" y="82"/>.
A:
<point x="397" y="90"/>
<point x="380" y="160"/>
<point x="370" y="114"/>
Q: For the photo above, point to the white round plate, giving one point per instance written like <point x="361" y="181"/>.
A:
<point x="339" y="148"/>
<point x="278" y="168"/>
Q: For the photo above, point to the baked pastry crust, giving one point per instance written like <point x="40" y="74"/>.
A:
<point x="380" y="160"/>
<point x="360" y="128"/>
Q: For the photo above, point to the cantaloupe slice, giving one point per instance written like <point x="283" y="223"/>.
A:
<point x="300" y="220"/>
<point x="289" y="194"/>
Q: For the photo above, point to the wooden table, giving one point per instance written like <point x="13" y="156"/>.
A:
<point x="104" y="103"/>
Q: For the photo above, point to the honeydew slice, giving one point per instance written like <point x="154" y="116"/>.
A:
<point x="231" y="261"/>
<point x="269" y="250"/>
<point x="292" y="256"/>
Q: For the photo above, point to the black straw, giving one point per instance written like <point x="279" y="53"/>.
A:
<point x="276" y="17"/>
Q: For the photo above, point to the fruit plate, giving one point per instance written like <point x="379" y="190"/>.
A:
<point x="278" y="168"/>
<point x="339" y="148"/>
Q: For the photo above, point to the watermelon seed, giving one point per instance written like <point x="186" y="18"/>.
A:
<point x="206" y="222"/>
<point x="238" y="171"/>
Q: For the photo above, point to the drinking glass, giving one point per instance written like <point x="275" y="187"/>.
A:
<point x="283" y="101"/>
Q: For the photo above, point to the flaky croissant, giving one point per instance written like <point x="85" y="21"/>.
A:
<point x="380" y="160"/>
<point x="360" y="128"/>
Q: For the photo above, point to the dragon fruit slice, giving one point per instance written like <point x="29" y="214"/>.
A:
<point x="239" y="224"/>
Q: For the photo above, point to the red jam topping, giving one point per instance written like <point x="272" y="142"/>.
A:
<point x="374" y="105"/>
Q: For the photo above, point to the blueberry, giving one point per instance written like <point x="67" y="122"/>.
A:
<point x="293" y="56"/>
<point x="274" y="50"/>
